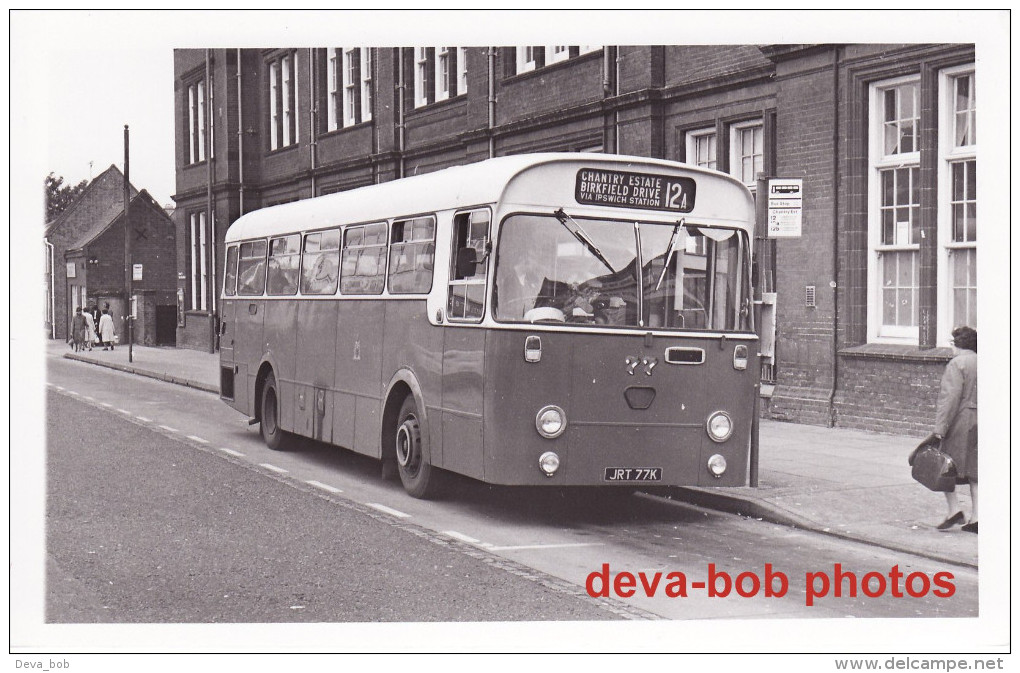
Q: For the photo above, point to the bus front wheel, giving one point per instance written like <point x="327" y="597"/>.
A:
<point x="269" y="427"/>
<point x="417" y="475"/>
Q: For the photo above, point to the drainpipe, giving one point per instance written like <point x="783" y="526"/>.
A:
<point x="492" y="101"/>
<point x="835" y="234"/>
<point x="209" y="184"/>
<point x="311" y="113"/>
<point x="240" y="138"/>
<point x="400" y="111"/>
<point x="53" y="294"/>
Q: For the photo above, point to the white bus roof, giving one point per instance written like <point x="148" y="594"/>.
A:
<point x="457" y="187"/>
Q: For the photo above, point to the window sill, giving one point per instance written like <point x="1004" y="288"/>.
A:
<point x="436" y="105"/>
<point x="338" y="131"/>
<point x="551" y="67"/>
<point x="900" y="352"/>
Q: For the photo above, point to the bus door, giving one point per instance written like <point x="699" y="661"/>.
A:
<point x="249" y="310"/>
<point x="464" y="344"/>
<point x="228" y="333"/>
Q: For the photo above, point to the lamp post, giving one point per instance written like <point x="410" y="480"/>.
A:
<point x="128" y="268"/>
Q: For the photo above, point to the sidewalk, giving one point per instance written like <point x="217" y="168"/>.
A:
<point x="846" y="483"/>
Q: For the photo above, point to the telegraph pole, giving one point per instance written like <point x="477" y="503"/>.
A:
<point x="128" y="268"/>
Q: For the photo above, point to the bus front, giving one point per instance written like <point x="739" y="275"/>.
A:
<point x="622" y="348"/>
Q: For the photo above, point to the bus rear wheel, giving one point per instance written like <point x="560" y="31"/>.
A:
<point x="419" y="478"/>
<point x="269" y="428"/>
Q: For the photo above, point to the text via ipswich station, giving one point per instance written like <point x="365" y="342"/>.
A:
<point x="838" y="583"/>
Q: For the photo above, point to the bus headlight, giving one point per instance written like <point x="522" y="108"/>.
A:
<point x="549" y="462"/>
<point x="550" y="421"/>
<point x="720" y="426"/>
<point x="716" y="465"/>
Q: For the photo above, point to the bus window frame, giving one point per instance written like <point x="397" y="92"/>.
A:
<point x="386" y="258"/>
<point x="474" y="280"/>
<point x="264" y="258"/>
<point x="269" y="256"/>
<point x="743" y="238"/>
<point x="230" y="291"/>
<point x="301" y="270"/>
<point x="389" y="252"/>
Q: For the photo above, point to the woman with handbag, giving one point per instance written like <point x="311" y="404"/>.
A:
<point x="956" y="424"/>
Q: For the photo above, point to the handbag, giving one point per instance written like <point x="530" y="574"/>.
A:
<point x="933" y="468"/>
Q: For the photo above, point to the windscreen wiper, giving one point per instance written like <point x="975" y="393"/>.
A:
<point x="669" y="252"/>
<point x="580" y="234"/>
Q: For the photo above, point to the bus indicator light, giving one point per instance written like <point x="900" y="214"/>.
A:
<point x="717" y="465"/>
<point x="533" y="349"/>
<point x="549" y="462"/>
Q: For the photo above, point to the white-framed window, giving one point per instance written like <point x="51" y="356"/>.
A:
<point x="283" y="97"/>
<point x="366" y="84"/>
<point x="556" y="54"/>
<point x="894" y="231"/>
<point x="199" y="262"/>
<point x="747" y="151"/>
<point x="442" y="62"/>
<point x="461" y="70"/>
<point x="701" y="148"/>
<point x="351" y="83"/>
<point x="422" y="77"/>
<point x="957" y="188"/>
<point x="336" y="97"/>
<point x="527" y="59"/>
<point x="588" y="48"/>
<point x="197" y="122"/>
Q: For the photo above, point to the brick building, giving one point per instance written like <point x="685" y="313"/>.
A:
<point x="883" y="137"/>
<point x="85" y="260"/>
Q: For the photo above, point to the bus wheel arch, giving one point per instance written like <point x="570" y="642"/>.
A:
<point x="267" y="409"/>
<point x="405" y="440"/>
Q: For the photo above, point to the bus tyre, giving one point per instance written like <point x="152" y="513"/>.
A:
<point x="417" y="475"/>
<point x="269" y="428"/>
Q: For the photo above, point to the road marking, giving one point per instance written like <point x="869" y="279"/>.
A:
<point x="274" y="468"/>
<point x="545" y="546"/>
<point x="124" y="411"/>
<point x="460" y="536"/>
<point x="107" y="405"/>
<point x="198" y="439"/>
<point x="71" y="392"/>
<point x="60" y="387"/>
<point x="325" y="487"/>
<point x="232" y="452"/>
<point x="168" y="428"/>
<point x="388" y="510"/>
<point x="89" y="398"/>
<point x="144" y="419"/>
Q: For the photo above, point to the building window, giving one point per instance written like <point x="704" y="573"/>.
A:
<point x="747" y="152"/>
<point x="701" y="148"/>
<point x="351" y="84"/>
<point x="527" y="58"/>
<point x="335" y="103"/>
<point x="557" y="54"/>
<point x="461" y="70"/>
<point x="366" y="84"/>
<point x="283" y="97"/>
<point x="443" y="59"/>
<point x="423" y="72"/>
<point x="197" y="122"/>
<point x="894" y="212"/>
<point x="957" y="299"/>
<point x="199" y="262"/>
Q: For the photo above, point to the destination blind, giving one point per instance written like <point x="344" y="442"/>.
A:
<point x="596" y="186"/>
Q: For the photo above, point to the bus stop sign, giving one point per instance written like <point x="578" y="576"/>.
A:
<point x="785" y="207"/>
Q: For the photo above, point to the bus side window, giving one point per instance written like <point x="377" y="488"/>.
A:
<point x="363" y="263"/>
<point x="466" y="300"/>
<point x="320" y="263"/>
<point x="251" y="269"/>
<point x="283" y="265"/>
<point x="230" y="274"/>
<point x="412" y="250"/>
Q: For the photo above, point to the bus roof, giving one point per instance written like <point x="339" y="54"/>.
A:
<point x="456" y="187"/>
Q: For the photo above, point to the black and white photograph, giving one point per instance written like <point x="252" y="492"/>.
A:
<point x="660" y="341"/>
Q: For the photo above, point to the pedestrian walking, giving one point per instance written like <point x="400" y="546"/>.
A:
<point x="90" y="329"/>
<point x="106" y="333"/>
<point x="78" y="327"/>
<point x="956" y="425"/>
